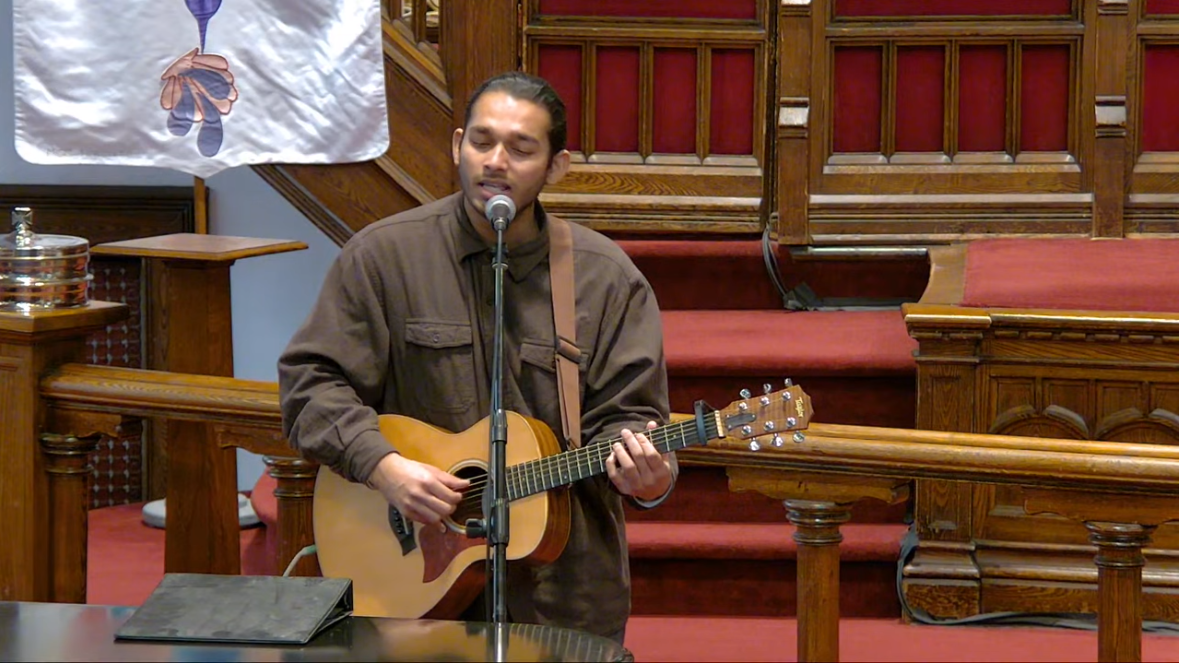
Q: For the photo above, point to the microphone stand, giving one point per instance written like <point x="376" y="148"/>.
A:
<point x="496" y="513"/>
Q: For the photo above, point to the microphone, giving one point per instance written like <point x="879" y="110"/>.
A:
<point x="500" y="210"/>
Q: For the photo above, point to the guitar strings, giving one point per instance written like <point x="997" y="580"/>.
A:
<point x="589" y="454"/>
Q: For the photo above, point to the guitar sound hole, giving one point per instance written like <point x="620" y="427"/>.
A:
<point x="471" y="507"/>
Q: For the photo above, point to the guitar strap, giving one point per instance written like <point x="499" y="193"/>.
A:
<point x="566" y="353"/>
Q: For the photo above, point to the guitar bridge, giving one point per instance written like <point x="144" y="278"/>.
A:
<point x="403" y="531"/>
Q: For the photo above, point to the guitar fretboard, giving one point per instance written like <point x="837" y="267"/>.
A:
<point x="546" y="473"/>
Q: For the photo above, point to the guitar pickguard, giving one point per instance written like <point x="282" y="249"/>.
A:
<point x="440" y="546"/>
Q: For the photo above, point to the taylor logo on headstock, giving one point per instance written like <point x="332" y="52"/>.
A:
<point x="768" y="415"/>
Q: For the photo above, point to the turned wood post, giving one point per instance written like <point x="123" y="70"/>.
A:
<point x="296" y="485"/>
<point x="68" y="463"/>
<point x="30" y="344"/>
<point x="817" y="505"/>
<point x="818" y="577"/>
<point x="1120" y="528"/>
<point x="1121" y="561"/>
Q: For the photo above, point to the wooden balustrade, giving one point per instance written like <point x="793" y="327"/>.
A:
<point x="817" y="478"/>
<point x="86" y="399"/>
<point x="1121" y="492"/>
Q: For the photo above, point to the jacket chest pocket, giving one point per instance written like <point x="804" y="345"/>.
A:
<point x="439" y="371"/>
<point x="539" y="380"/>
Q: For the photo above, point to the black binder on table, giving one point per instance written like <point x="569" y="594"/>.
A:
<point x="239" y="608"/>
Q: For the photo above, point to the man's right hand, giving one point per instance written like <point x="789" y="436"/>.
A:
<point x="421" y="492"/>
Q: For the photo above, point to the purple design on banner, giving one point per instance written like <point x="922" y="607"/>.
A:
<point x="203" y="10"/>
<point x="199" y="87"/>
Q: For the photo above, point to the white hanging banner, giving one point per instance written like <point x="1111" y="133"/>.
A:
<point x="199" y="85"/>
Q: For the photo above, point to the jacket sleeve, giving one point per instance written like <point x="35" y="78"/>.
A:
<point x="626" y="379"/>
<point x="333" y="372"/>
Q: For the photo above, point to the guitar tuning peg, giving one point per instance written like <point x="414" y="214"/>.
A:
<point x="766" y="389"/>
<point x="798" y="437"/>
<point x="744" y="393"/>
<point x="754" y="445"/>
<point x="787" y="383"/>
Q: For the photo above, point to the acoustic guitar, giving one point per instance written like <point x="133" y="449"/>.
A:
<point x="405" y="569"/>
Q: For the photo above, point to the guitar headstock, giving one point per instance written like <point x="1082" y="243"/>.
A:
<point x="768" y="415"/>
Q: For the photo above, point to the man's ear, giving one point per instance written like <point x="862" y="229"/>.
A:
<point x="456" y="141"/>
<point x="559" y="166"/>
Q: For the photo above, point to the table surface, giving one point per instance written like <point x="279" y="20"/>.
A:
<point x="61" y="632"/>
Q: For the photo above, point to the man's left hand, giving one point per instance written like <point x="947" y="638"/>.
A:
<point x="637" y="469"/>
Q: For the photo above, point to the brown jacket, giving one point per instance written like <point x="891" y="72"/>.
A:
<point x="404" y="324"/>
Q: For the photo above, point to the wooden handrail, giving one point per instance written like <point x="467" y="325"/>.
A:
<point x="142" y="392"/>
<point x="896" y="453"/>
<point x="1097" y="466"/>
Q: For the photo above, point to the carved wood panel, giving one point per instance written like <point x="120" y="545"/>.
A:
<point x="1056" y="400"/>
<point x="948" y="120"/>
<point x="667" y="105"/>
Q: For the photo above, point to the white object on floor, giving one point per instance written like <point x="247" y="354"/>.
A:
<point x="153" y="513"/>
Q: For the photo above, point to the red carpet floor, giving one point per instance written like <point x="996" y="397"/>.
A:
<point x="126" y="561"/>
<point x="718" y="639"/>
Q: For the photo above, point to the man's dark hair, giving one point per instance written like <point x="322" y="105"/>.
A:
<point x="520" y="85"/>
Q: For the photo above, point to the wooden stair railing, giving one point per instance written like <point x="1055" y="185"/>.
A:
<point x="1121" y="492"/>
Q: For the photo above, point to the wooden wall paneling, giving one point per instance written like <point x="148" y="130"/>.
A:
<point x="629" y="187"/>
<point x="976" y="194"/>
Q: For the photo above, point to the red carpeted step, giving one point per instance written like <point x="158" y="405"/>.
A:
<point x="754" y="541"/>
<point x="731" y="274"/>
<point x="749" y="569"/>
<point x="703" y="495"/>
<point x="761" y="342"/>
<point x="858" y="366"/>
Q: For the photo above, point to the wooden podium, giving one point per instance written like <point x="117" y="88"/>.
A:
<point x="193" y="334"/>
<point x="1086" y="375"/>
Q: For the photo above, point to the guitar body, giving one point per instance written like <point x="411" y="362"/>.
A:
<point x="404" y="569"/>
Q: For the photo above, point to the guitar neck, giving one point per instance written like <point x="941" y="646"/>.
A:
<point x="547" y="473"/>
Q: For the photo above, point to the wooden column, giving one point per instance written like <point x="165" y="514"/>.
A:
<point x="477" y="39"/>
<point x="68" y="465"/>
<point x="296" y="484"/>
<point x="817" y="505"/>
<point x="818" y="577"/>
<point x="1110" y="166"/>
<point x="194" y="334"/>
<point x="1120" y="560"/>
<point x="1121" y="529"/>
<point x="29" y="345"/>
<point x="796" y="27"/>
